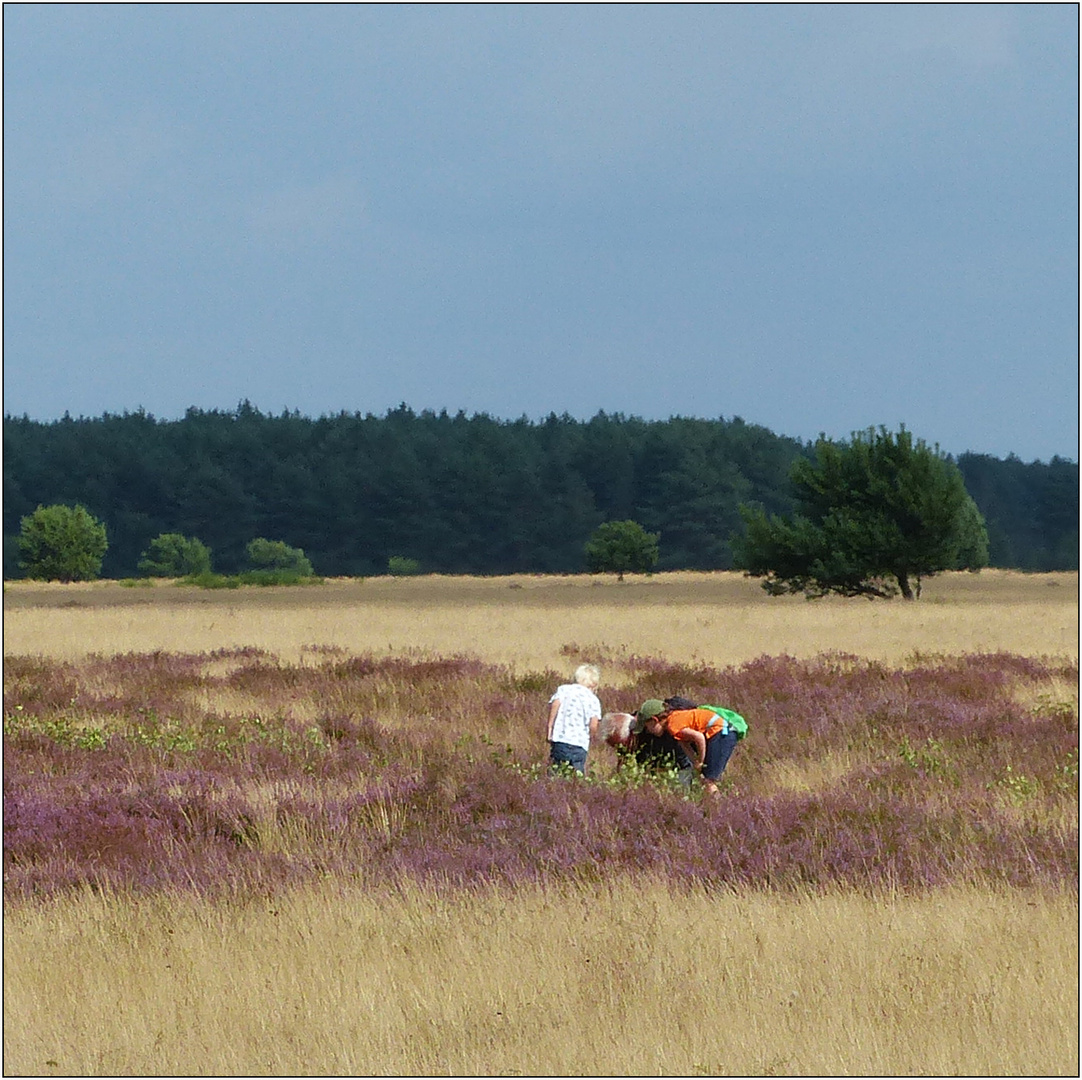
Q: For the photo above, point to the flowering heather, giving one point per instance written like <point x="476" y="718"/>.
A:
<point x="235" y="771"/>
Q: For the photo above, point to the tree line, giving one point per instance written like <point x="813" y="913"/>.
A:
<point x="458" y="493"/>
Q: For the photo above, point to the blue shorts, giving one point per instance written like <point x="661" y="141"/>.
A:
<point x="562" y="752"/>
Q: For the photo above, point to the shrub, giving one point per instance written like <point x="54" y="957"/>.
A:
<point x="173" y="555"/>
<point x="62" y="543"/>
<point x="401" y="566"/>
<point x="278" y="555"/>
<point x="210" y="580"/>
<point x="276" y="577"/>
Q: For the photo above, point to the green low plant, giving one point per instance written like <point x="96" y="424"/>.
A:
<point x="632" y="774"/>
<point x="1052" y="705"/>
<point x="1016" y="786"/>
<point x="277" y="577"/>
<point x="930" y="758"/>
<point x="211" y="580"/>
<point x="92" y="738"/>
<point x="14" y="721"/>
<point x="1067" y="773"/>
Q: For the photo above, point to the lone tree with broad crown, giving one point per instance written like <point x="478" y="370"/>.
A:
<point x="62" y="543"/>
<point x="875" y="516"/>
<point x="621" y="547"/>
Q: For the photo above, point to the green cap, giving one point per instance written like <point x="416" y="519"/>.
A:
<point x="647" y="711"/>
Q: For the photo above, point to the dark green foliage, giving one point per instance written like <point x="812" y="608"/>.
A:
<point x="621" y="547"/>
<point x="173" y="555"/>
<point x="460" y="494"/>
<point x="401" y="566"/>
<point x="62" y="543"/>
<point x="276" y="555"/>
<point x="875" y="515"/>
<point x="210" y="580"/>
<point x="275" y="577"/>
<point x="1031" y="510"/>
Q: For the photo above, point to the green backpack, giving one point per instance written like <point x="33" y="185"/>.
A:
<point x="734" y="720"/>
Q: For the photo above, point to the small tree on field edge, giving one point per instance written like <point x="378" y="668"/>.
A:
<point x="621" y="547"/>
<point x="279" y="556"/>
<point x="174" y="555"/>
<point x="62" y="543"/>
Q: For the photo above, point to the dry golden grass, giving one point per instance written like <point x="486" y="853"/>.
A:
<point x="621" y="980"/>
<point x="526" y="622"/>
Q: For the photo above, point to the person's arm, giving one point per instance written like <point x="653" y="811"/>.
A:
<point x="697" y="741"/>
<point x="554" y="708"/>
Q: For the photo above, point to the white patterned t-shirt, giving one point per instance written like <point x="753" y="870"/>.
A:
<point x="578" y="706"/>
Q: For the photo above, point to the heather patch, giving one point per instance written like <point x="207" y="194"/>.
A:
<point x="235" y="771"/>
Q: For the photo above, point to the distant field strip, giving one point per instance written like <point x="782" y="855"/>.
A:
<point x="530" y="622"/>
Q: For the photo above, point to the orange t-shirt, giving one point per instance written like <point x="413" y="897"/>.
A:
<point x="709" y="723"/>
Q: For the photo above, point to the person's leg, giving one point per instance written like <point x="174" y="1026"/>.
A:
<point x="718" y="751"/>
<point x="561" y="753"/>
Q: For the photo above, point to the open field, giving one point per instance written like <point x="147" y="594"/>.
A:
<point x="308" y="832"/>
<point x="528" y="621"/>
<point x="610" y="980"/>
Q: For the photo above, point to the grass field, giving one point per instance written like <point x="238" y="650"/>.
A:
<point x="610" y="980"/>
<point x="308" y="831"/>
<point x="528" y="622"/>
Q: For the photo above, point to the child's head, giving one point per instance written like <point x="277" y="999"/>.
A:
<point x="654" y="725"/>
<point x="648" y="717"/>
<point x="587" y="675"/>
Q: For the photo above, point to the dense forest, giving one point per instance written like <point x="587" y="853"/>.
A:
<point x="457" y="493"/>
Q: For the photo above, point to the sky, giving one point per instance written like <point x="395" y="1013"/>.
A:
<point x="819" y="218"/>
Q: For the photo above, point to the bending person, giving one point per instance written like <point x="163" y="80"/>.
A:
<point x="707" y="738"/>
<point x="664" y="752"/>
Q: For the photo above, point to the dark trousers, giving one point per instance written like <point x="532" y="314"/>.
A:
<point x="562" y="752"/>
<point x="719" y="749"/>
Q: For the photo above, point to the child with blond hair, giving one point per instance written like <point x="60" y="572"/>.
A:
<point x="573" y="716"/>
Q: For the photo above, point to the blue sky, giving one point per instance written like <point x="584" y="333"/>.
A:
<point x="816" y="217"/>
